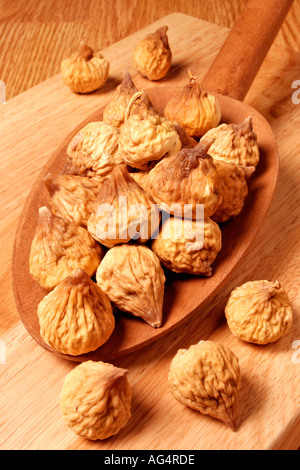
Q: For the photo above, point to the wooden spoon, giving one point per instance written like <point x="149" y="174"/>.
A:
<point x="230" y="76"/>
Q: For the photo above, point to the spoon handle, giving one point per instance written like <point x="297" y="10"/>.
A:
<point x="246" y="47"/>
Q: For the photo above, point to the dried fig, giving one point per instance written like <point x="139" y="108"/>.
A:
<point x="236" y="143"/>
<point x="146" y="136"/>
<point x="152" y="56"/>
<point x="206" y="377"/>
<point x="72" y="196"/>
<point x="133" y="279"/>
<point x="85" y="71"/>
<point x="76" y="317"/>
<point x="123" y="211"/>
<point x="188" y="246"/>
<point x="259" y="312"/>
<point x="94" y="150"/>
<point x="194" y="109"/>
<point x="95" y="400"/>
<point x="186" y="180"/>
<point x="140" y="105"/>
<point x="233" y="188"/>
<point x="58" y="248"/>
<point x="114" y="112"/>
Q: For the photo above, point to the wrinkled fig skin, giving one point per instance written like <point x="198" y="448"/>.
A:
<point x="175" y="252"/>
<point x="140" y="105"/>
<point x="85" y="71"/>
<point x="236" y="143"/>
<point x="95" y="400"/>
<point x="72" y="196"/>
<point x="94" y="150"/>
<point x="259" y="312"/>
<point x="195" y="110"/>
<point x="76" y="317"/>
<point x="133" y="280"/>
<point x="206" y="377"/>
<point x="233" y="188"/>
<point x="116" y="218"/>
<point x="152" y="56"/>
<point x="188" y="177"/>
<point x="146" y="137"/>
<point x="77" y="169"/>
<point x="115" y="111"/>
<point x="58" y="248"/>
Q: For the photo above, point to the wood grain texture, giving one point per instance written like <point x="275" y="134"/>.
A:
<point x="242" y="54"/>
<point x="36" y="35"/>
<point x="31" y="128"/>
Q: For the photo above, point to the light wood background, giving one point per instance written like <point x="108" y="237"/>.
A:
<point x="34" y="123"/>
<point x="35" y="35"/>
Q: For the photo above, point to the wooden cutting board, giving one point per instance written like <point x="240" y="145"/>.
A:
<point x="32" y="125"/>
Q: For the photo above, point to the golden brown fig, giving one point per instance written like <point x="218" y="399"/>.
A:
<point x="236" y="143"/>
<point x="140" y="105"/>
<point x="152" y="56"/>
<point x="58" y="248"/>
<point x="233" y="189"/>
<point x="114" y="113"/>
<point x="146" y="136"/>
<point x="95" y="400"/>
<point x="188" y="246"/>
<point x="133" y="279"/>
<point x="194" y="109"/>
<point x="123" y="211"/>
<point x="72" y="196"/>
<point x="85" y="71"/>
<point x="94" y="150"/>
<point x="183" y="182"/>
<point x="76" y="317"/>
<point x="206" y="377"/>
<point x="259" y="312"/>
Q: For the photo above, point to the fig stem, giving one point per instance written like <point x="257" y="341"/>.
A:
<point x="134" y="97"/>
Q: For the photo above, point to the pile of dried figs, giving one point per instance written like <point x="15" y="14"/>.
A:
<point x="108" y="208"/>
<point x="137" y="189"/>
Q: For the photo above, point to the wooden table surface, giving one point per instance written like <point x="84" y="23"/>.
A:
<point x="35" y="35"/>
<point x="31" y="128"/>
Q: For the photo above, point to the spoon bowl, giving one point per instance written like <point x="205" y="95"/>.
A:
<point x="185" y="295"/>
<point x="229" y="77"/>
